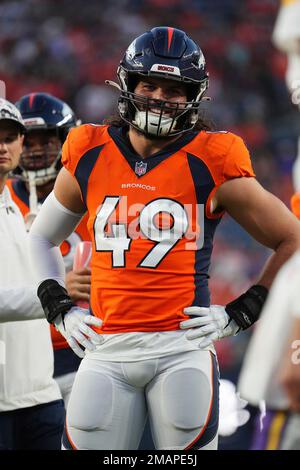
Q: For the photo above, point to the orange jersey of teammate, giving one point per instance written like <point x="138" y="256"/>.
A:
<point x="295" y="204"/>
<point x="21" y="198"/>
<point x="150" y="221"/>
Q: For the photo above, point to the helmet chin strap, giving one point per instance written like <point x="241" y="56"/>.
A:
<point x="154" y="124"/>
<point x="33" y="201"/>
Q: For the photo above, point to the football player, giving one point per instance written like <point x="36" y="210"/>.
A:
<point x="286" y="37"/>
<point x="272" y="384"/>
<point x="47" y="121"/>
<point x="277" y="423"/>
<point x="31" y="408"/>
<point x="155" y="184"/>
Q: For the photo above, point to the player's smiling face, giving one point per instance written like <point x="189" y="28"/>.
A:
<point x="10" y="146"/>
<point x="162" y="89"/>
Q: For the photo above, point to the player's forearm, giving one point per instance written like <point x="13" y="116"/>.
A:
<point x="282" y="253"/>
<point x="19" y="304"/>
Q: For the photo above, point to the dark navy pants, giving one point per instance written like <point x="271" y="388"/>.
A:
<point x="35" y="428"/>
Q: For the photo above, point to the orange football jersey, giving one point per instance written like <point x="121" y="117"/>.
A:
<point x="295" y="204"/>
<point x="21" y="198"/>
<point x="150" y="221"/>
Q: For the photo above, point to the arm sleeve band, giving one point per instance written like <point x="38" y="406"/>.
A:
<point x="53" y="224"/>
<point x="245" y="310"/>
<point x="54" y="299"/>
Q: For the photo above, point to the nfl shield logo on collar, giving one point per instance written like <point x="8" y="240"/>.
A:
<point x="140" y="168"/>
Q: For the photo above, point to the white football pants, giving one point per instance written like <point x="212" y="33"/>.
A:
<point x="65" y="383"/>
<point x="110" y="401"/>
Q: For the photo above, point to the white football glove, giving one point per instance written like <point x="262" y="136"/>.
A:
<point x="209" y="325"/>
<point x="74" y="328"/>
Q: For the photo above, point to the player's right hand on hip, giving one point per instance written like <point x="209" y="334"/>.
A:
<point x="74" y="328"/>
<point x="208" y="324"/>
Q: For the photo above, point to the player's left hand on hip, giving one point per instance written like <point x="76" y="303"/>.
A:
<point x="208" y="324"/>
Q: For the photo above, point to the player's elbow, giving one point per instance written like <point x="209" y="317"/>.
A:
<point x="290" y="240"/>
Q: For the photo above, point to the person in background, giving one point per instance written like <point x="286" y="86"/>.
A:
<point x="273" y="390"/>
<point x="272" y="383"/>
<point x="47" y="122"/>
<point x="31" y="408"/>
<point x="286" y="37"/>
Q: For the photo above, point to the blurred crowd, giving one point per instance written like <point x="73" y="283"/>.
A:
<point x="69" y="47"/>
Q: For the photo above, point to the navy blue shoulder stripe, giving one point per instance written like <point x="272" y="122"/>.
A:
<point x="85" y="167"/>
<point x="202" y="177"/>
<point x="204" y="184"/>
<point x="21" y="191"/>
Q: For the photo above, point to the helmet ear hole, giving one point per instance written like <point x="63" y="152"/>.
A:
<point x="133" y="80"/>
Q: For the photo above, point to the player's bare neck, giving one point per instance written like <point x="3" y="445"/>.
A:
<point x="146" y="147"/>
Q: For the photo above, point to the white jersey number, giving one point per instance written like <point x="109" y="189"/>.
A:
<point x="119" y="242"/>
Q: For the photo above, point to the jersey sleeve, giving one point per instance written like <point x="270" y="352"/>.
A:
<point x="295" y="204"/>
<point x="237" y="162"/>
<point x="74" y="147"/>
